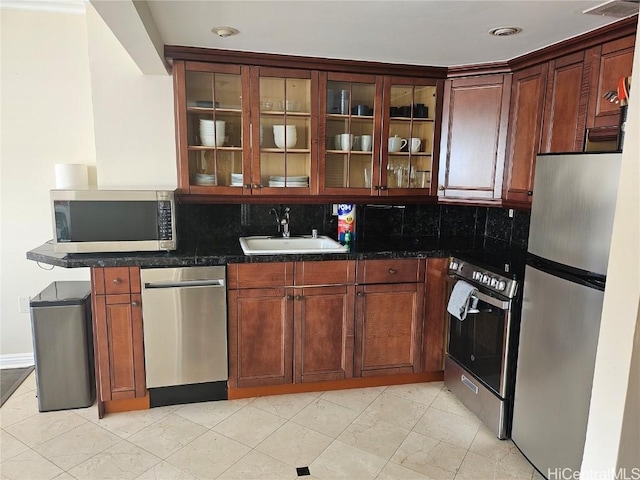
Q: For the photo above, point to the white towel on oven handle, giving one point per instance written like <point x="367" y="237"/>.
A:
<point x="460" y="299"/>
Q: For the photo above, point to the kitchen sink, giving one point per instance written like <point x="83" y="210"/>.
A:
<point x="292" y="245"/>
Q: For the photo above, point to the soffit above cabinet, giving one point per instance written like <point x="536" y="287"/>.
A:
<point x="434" y="33"/>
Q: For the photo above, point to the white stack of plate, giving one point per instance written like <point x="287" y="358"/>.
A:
<point x="291" y="181"/>
<point x="236" y="179"/>
<point x="205" y="179"/>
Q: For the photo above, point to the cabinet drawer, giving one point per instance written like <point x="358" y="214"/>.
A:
<point x="409" y="270"/>
<point x="259" y="275"/>
<point x="338" y="272"/>
<point x="116" y="280"/>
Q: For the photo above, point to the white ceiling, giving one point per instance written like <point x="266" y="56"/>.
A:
<point x="438" y="33"/>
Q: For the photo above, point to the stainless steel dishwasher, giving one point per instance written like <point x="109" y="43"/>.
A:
<point x="184" y="314"/>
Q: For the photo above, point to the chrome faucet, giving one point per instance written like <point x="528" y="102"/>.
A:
<point x="283" y="222"/>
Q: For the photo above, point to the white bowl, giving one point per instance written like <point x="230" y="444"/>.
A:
<point x="279" y="133"/>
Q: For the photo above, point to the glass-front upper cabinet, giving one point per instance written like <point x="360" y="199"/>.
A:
<point x="211" y="121"/>
<point x="350" y="145"/>
<point x="408" y="134"/>
<point x="283" y="153"/>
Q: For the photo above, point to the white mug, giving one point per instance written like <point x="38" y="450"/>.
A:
<point x="365" y="143"/>
<point x="338" y="142"/>
<point x="347" y="141"/>
<point x="415" y="145"/>
<point x="396" y="143"/>
<point x="283" y="137"/>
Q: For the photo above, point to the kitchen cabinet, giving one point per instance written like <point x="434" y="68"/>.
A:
<point x="606" y="64"/>
<point x="563" y="128"/>
<point x="528" y="91"/>
<point x="285" y="330"/>
<point x="433" y="344"/>
<point x="118" y="334"/>
<point x="473" y="140"/>
<point x="224" y="150"/>
<point x="378" y="135"/>
<point x="389" y="317"/>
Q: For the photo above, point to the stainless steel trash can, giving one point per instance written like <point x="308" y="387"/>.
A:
<point x="63" y="346"/>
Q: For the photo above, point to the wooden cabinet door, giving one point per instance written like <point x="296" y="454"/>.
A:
<point x="606" y="64"/>
<point x="565" y="111"/>
<point x="434" y="316"/>
<point x="324" y="333"/>
<point x="525" y="121"/>
<point x="118" y="323"/>
<point x="474" y="133"/>
<point x="388" y="329"/>
<point x="260" y="337"/>
<point x="118" y="334"/>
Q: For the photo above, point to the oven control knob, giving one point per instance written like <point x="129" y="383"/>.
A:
<point x="453" y="265"/>
<point x="477" y="276"/>
<point x="501" y="286"/>
<point x="485" y="279"/>
<point x="494" y="283"/>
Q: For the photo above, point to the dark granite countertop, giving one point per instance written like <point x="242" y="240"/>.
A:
<point x="228" y="250"/>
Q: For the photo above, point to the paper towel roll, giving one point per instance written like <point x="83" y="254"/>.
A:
<point x="71" y="175"/>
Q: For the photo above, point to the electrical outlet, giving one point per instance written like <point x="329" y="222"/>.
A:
<point x="511" y="213"/>
<point x="23" y="304"/>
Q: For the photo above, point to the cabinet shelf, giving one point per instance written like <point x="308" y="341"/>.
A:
<point x="288" y="150"/>
<point x="352" y="152"/>
<point x="201" y="148"/>
<point x="280" y="113"/>
<point x="203" y="110"/>
<point x="415" y="120"/>
<point x="353" y="117"/>
<point x="406" y="154"/>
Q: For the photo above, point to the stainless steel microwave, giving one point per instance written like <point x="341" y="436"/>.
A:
<point x="94" y="220"/>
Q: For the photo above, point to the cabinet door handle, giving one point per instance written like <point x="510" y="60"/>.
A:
<point x="247" y="185"/>
<point x="360" y="294"/>
<point x="376" y="187"/>
<point x="383" y="187"/>
<point x="256" y="185"/>
<point x="529" y="193"/>
<point x="290" y="297"/>
<point x="117" y="281"/>
<point x="135" y="304"/>
<point x="440" y="187"/>
<point x="299" y="297"/>
<point x="392" y="271"/>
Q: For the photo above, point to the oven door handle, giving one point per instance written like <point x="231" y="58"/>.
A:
<point x="496" y="302"/>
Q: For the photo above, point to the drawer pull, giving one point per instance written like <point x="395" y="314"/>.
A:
<point x="530" y="193"/>
<point x="117" y="281"/>
<point x="135" y="304"/>
<point x="392" y="271"/>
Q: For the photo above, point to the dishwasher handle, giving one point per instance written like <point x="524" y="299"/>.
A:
<point x="186" y="284"/>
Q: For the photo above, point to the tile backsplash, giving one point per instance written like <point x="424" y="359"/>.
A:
<point x="210" y="221"/>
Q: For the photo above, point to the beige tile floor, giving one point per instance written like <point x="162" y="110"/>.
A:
<point x="417" y="431"/>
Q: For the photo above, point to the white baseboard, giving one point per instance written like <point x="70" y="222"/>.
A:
<point x="17" y="360"/>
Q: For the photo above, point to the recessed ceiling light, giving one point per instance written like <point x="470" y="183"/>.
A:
<point x="225" y="31"/>
<point x="504" y="31"/>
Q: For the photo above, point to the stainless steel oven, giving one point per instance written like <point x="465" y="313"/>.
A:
<point x="481" y="349"/>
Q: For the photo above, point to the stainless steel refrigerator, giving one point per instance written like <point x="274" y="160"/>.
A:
<point x="569" y="239"/>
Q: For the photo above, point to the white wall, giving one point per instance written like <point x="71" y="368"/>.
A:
<point x="133" y="115"/>
<point x="609" y="441"/>
<point x="70" y="94"/>
<point x="47" y="118"/>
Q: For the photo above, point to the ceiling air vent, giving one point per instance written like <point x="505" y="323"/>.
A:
<point x="616" y="8"/>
